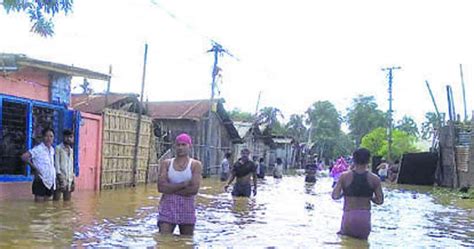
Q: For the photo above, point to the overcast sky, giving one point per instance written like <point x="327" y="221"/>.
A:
<point x="295" y="52"/>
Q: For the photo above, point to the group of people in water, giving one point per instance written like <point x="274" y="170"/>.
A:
<point x="52" y="167"/>
<point x="180" y="177"/>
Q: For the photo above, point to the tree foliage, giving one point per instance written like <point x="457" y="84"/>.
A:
<point x="296" y="128"/>
<point x="376" y="142"/>
<point x="279" y="129"/>
<point x="40" y="12"/>
<point x="343" y="145"/>
<point x="269" y="116"/>
<point x="432" y="122"/>
<point x="363" y="116"/>
<point x="237" y="115"/>
<point x="408" y="125"/>
<point x="325" y="124"/>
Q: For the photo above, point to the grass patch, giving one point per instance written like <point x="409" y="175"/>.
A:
<point x="449" y="196"/>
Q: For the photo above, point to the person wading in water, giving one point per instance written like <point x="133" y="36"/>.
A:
<point x="359" y="187"/>
<point x="243" y="169"/>
<point x="41" y="160"/>
<point x="179" y="182"/>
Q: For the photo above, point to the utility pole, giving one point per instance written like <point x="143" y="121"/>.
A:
<point x="139" y="121"/>
<point x="258" y="103"/>
<point x="217" y="49"/>
<point x="463" y="93"/>
<point x="433" y="100"/>
<point x="390" y="110"/>
<point x="107" y="91"/>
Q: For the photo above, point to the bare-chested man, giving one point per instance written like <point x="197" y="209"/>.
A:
<point x="243" y="169"/>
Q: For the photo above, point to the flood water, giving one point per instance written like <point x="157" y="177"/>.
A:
<point x="285" y="213"/>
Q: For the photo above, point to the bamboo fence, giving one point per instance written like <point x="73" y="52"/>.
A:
<point x="120" y="129"/>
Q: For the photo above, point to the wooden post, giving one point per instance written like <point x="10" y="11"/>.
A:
<point x="139" y="121"/>
<point x="108" y="88"/>
<point x="463" y="93"/>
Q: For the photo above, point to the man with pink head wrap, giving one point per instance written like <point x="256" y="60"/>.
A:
<point x="179" y="181"/>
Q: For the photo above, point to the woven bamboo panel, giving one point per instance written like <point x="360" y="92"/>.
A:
<point x="462" y="157"/>
<point x="153" y="164"/>
<point x="119" y="136"/>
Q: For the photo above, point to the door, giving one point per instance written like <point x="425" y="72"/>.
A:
<point x="90" y="141"/>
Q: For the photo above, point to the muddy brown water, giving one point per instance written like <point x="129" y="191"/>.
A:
<point x="285" y="213"/>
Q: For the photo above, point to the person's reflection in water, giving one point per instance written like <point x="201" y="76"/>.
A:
<point x="309" y="188"/>
<point x="244" y="210"/>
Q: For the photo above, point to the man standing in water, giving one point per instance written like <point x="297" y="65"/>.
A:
<point x="64" y="165"/>
<point x="243" y="169"/>
<point x="41" y="160"/>
<point x="179" y="182"/>
<point x="225" y="167"/>
<point x="278" y="169"/>
<point x="262" y="169"/>
<point x="382" y="170"/>
<point x="359" y="187"/>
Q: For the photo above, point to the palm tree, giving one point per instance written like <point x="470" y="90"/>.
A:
<point x="296" y="128"/>
<point x="269" y="116"/>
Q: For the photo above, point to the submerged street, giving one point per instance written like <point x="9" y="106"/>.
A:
<point x="285" y="213"/>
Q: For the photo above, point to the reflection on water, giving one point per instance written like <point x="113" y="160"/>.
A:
<point x="286" y="213"/>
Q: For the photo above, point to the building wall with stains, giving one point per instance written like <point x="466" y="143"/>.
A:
<point x="27" y="83"/>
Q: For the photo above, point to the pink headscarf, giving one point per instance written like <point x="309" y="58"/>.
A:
<point x="184" y="138"/>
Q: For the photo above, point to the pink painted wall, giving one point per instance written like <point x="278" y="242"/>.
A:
<point x="15" y="190"/>
<point x="27" y="83"/>
<point x="90" y="152"/>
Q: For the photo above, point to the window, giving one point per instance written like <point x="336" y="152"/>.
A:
<point x="21" y="124"/>
<point x="44" y="117"/>
<point x="13" y="137"/>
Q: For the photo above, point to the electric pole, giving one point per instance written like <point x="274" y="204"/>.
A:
<point x="217" y="49"/>
<point x="390" y="110"/>
<point x="258" y="103"/>
<point x="463" y="93"/>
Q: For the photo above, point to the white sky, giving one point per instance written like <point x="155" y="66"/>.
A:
<point x="296" y="52"/>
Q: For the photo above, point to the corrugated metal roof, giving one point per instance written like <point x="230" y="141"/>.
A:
<point x="282" y="140"/>
<point x="192" y="110"/>
<point x="242" y="128"/>
<point x="186" y="109"/>
<point x="95" y="103"/>
<point x="15" y="60"/>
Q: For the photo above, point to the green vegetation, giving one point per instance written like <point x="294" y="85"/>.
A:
<point x="40" y="12"/>
<point x="448" y="196"/>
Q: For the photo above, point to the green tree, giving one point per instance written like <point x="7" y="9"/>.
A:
<point x="237" y="115"/>
<point x="408" y="125"/>
<point x="325" y="124"/>
<point x="363" y="116"/>
<point x="344" y="145"/>
<point x="296" y="128"/>
<point x="40" y="12"/>
<point x="279" y="129"/>
<point x="432" y="122"/>
<point x="269" y="116"/>
<point x="376" y="142"/>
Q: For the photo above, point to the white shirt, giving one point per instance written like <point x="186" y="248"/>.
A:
<point x="225" y="167"/>
<point x="64" y="163"/>
<point x="278" y="170"/>
<point x="43" y="159"/>
<point x="383" y="172"/>
<point x="175" y="176"/>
